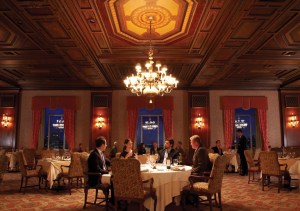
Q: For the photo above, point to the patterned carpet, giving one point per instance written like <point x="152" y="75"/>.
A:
<point x="237" y="194"/>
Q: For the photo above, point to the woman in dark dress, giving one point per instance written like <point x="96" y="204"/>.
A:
<point x="127" y="150"/>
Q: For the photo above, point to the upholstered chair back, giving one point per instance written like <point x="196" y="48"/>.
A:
<point x="269" y="163"/>
<point x="127" y="179"/>
<point x="75" y="166"/>
<point x="143" y="159"/>
<point x="47" y="153"/>
<point x="3" y="163"/>
<point x="84" y="164"/>
<point x="249" y="159"/>
<point x="29" y="156"/>
<point x="216" y="175"/>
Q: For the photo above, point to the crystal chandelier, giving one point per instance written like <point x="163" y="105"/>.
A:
<point x="240" y="123"/>
<point x="151" y="81"/>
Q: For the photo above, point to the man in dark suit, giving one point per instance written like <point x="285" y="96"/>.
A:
<point x="168" y="151"/>
<point x="242" y="145"/>
<point x="217" y="149"/>
<point x="201" y="162"/>
<point x="154" y="148"/>
<point x="97" y="162"/>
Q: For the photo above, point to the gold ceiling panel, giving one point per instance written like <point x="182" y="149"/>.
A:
<point x="171" y="19"/>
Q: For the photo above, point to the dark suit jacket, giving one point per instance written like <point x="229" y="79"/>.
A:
<point x="201" y="161"/>
<point x="95" y="164"/>
<point x="216" y="150"/>
<point x="242" y="144"/>
<point x="153" y="152"/>
<point x="173" y="154"/>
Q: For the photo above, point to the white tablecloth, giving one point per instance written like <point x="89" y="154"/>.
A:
<point x="168" y="184"/>
<point x="12" y="160"/>
<point x="233" y="159"/>
<point x="52" y="168"/>
<point x="295" y="171"/>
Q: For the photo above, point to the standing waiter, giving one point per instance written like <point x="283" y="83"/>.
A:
<point x="242" y="145"/>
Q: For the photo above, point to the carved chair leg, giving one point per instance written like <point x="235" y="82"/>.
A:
<point x="86" y="191"/>
<point x="96" y="195"/>
<point x="263" y="182"/>
<point x="25" y="187"/>
<point x="220" y="201"/>
<point x="70" y="184"/>
<point x="249" y="172"/>
<point x="210" y="204"/>
<point x="279" y="183"/>
<point x="215" y="197"/>
<point x="22" y="178"/>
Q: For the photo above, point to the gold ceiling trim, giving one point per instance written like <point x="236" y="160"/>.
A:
<point x="166" y="14"/>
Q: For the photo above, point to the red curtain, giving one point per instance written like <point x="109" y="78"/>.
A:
<point x="69" y="120"/>
<point x="134" y="103"/>
<point x="68" y="103"/>
<point x="168" y="122"/>
<point x="228" y="126"/>
<point x="262" y="119"/>
<point x="36" y="124"/>
<point x="233" y="102"/>
<point x="132" y="123"/>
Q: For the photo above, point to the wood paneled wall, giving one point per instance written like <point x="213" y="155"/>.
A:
<point x="9" y="106"/>
<point x="290" y="105"/>
<point x="101" y="105"/>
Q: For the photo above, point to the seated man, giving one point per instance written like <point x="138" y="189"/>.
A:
<point x="217" y="149"/>
<point x="154" y="148"/>
<point x="168" y="151"/>
<point x="201" y="162"/>
<point x="97" y="162"/>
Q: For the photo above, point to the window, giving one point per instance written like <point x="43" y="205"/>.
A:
<point x="150" y="127"/>
<point x="54" y="133"/>
<point x="246" y="120"/>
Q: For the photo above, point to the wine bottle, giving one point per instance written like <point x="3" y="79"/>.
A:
<point x="168" y="162"/>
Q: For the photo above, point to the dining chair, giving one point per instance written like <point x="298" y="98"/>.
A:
<point x="270" y="167"/>
<point x="128" y="184"/>
<point x="73" y="171"/>
<point x="47" y="153"/>
<point x="3" y="166"/>
<point x="143" y="159"/>
<point x="253" y="167"/>
<point x="29" y="156"/>
<point x="104" y="187"/>
<point x="207" y="186"/>
<point x="27" y="172"/>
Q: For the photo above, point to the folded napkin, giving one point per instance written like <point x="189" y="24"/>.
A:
<point x="144" y="169"/>
<point x="177" y="168"/>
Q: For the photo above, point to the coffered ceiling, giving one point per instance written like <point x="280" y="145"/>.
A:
<point x="95" y="44"/>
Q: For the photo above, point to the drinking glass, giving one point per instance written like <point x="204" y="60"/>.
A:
<point x="175" y="162"/>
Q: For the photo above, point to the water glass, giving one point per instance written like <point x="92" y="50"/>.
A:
<point x="175" y="162"/>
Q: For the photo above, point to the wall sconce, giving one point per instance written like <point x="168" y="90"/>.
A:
<point x="5" y="121"/>
<point x="293" y="120"/>
<point x="199" y="122"/>
<point x="100" y="122"/>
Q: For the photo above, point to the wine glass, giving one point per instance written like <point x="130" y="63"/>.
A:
<point x="175" y="162"/>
